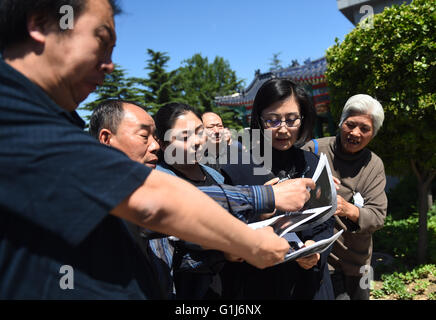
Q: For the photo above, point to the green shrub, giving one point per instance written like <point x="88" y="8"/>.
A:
<point x="395" y="284"/>
<point x="399" y="238"/>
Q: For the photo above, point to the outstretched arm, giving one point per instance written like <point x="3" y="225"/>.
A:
<point x="172" y="206"/>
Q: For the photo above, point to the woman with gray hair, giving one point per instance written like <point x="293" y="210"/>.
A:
<point x="362" y="201"/>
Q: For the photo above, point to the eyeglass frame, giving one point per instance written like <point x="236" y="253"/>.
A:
<point x="281" y="121"/>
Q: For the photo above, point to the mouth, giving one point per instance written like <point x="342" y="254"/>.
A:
<point x="95" y="83"/>
<point x="151" y="163"/>
<point x="353" y="141"/>
<point x="214" y="137"/>
<point x="284" y="139"/>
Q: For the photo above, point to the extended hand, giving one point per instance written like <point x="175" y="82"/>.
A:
<point x="309" y="261"/>
<point x="346" y="209"/>
<point x="292" y="194"/>
<point x="269" y="250"/>
<point x="337" y="183"/>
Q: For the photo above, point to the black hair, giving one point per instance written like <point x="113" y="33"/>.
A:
<point x="167" y="115"/>
<point x="280" y="89"/>
<point x="14" y="15"/>
<point x="108" y="115"/>
<point x="165" y="118"/>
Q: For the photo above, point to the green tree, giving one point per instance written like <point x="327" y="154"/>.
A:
<point x="275" y="62"/>
<point x="160" y="86"/>
<point x="199" y="82"/>
<point x="116" y="86"/>
<point x="392" y="59"/>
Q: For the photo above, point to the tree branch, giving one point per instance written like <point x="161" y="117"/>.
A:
<point x="415" y="170"/>
<point x="431" y="175"/>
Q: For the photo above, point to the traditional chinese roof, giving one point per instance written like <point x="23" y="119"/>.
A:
<point x="311" y="72"/>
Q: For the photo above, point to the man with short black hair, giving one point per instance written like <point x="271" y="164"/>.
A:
<point x="62" y="194"/>
<point x="126" y="126"/>
<point x="13" y="27"/>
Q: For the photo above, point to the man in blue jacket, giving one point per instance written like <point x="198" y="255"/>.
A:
<point x="63" y="196"/>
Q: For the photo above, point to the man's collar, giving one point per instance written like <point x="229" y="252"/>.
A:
<point x="29" y="87"/>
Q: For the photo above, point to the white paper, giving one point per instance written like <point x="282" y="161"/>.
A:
<point x="358" y="200"/>
<point x="317" y="247"/>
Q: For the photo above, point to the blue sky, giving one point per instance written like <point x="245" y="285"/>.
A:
<point x="245" y="33"/>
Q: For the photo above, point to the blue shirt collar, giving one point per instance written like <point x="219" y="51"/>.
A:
<point x="18" y="80"/>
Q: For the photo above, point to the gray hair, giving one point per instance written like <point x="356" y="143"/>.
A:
<point x="364" y="104"/>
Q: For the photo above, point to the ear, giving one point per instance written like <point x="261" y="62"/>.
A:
<point x="37" y="27"/>
<point x="105" y="136"/>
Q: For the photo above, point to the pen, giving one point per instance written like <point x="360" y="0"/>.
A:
<point x="305" y="171"/>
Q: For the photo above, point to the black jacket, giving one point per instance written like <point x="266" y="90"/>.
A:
<point x="287" y="280"/>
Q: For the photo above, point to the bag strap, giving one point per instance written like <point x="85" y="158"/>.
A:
<point x="218" y="177"/>
<point x="315" y="143"/>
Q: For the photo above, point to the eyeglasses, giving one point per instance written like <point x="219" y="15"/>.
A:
<point x="276" y="123"/>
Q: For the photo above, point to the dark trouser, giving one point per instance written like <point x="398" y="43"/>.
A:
<point x="348" y="287"/>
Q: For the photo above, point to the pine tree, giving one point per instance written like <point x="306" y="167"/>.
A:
<point x="275" y="62"/>
<point x="116" y="86"/>
<point x="200" y="82"/>
<point x="160" y="87"/>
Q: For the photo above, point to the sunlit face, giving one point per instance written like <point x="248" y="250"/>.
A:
<point x="214" y="127"/>
<point x="356" y="132"/>
<point x="80" y="58"/>
<point x="135" y="136"/>
<point x="188" y="137"/>
<point x="283" y="137"/>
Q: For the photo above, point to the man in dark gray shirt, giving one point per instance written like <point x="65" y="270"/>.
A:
<point x="63" y="194"/>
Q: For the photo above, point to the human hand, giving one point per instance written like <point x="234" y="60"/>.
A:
<point x="268" y="250"/>
<point x="337" y="182"/>
<point x="346" y="209"/>
<point x="292" y="194"/>
<point x="272" y="182"/>
<point x="309" y="261"/>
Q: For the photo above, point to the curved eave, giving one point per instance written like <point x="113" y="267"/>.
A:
<point x="310" y="74"/>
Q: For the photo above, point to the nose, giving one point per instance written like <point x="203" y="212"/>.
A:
<point x="283" y="128"/>
<point x="200" y="139"/>
<point x="108" y="67"/>
<point x="356" y="131"/>
<point x="154" y="145"/>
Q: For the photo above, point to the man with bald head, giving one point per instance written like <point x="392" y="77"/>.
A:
<point x="213" y="124"/>
<point x="218" y="140"/>
<point x="126" y="126"/>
